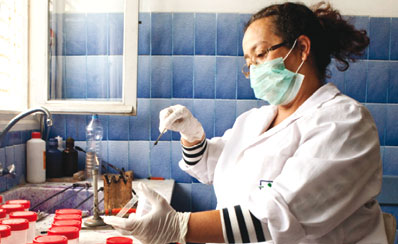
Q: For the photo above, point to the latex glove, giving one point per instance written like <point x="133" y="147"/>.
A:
<point x="179" y="118"/>
<point x="159" y="226"/>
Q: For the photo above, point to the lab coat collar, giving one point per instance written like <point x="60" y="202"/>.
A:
<point x="323" y="94"/>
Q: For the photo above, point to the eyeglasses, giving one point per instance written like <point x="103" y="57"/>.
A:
<point x="246" y="68"/>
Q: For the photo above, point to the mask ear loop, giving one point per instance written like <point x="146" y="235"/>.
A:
<point x="302" y="62"/>
<point x="291" y="49"/>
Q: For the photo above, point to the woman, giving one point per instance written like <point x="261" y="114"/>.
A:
<point x="305" y="169"/>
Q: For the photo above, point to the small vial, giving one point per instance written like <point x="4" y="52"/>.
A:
<point x="5" y="234"/>
<point x="19" y="229"/>
<point x="24" y="203"/>
<point x="68" y="211"/>
<point x="9" y="208"/>
<point x="72" y="222"/>
<point x="70" y="232"/>
<point x="31" y="217"/>
<point x="3" y="214"/>
<point x="53" y="239"/>
<point x="119" y="240"/>
<point x="67" y="217"/>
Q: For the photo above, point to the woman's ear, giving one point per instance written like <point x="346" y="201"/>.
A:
<point x="304" y="45"/>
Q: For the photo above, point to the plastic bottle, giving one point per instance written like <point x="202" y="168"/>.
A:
<point x="70" y="232"/>
<point x="5" y="233"/>
<point x="3" y="214"/>
<point x="9" y="208"/>
<point x="69" y="158"/>
<point x="36" y="159"/>
<point x="31" y="217"/>
<point x="24" y="203"/>
<point x="94" y="132"/>
<point x="119" y="240"/>
<point x="68" y="211"/>
<point x="19" y="229"/>
<point x="54" y="160"/>
<point x="45" y="239"/>
<point x="59" y="139"/>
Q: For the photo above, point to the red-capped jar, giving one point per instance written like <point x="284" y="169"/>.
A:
<point x="3" y="214"/>
<point x="71" y="222"/>
<point x="5" y="234"/>
<point x="119" y="240"/>
<point x="67" y="217"/>
<point x="45" y="239"/>
<point x="31" y="217"/>
<point x="1" y="199"/>
<point x="72" y="233"/>
<point x="24" y="203"/>
<point x="68" y="211"/>
<point x="9" y="208"/>
<point x="19" y="229"/>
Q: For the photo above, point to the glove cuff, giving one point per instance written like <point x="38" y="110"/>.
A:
<point x="194" y="135"/>
<point x="183" y="219"/>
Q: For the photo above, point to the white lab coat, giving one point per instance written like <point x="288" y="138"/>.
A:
<point x="324" y="161"/>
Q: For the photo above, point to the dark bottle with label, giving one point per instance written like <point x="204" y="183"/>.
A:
<point x="53" y="160"/>
<point x="69" y="156"/>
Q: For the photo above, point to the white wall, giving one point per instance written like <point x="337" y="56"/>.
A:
<point x="379" y="8"/>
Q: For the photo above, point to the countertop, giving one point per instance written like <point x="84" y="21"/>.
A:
<point x="99" y="235"/>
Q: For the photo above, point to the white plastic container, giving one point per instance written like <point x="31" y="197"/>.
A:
<point x="45" y="239"/>
<point x="19" y="229"/>
<point x="31" y="217"/>
<point x="9" y="208"/>
<point x="24" y="203"/>
<point x="36" y="159"/>
<point x="70" y="232"/>
<point x="119" y="240"/>
<point x="5" y="233"/>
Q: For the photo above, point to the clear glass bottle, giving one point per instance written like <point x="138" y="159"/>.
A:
<point x="94" y="132"/>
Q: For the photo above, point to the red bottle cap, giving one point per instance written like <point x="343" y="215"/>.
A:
<point x="9" y="208"/>
<point x="16" y="224"/>
<point x="1" y="199"/>
<point x="5" y="230"/>
<point x="119" y="240"/>
<point x="29" y="215"/>
<point x="72" y="222"/>
<point x="51" y="239"/>
<point x="68" y="217"/>
<point x="24" y="203"/>
<point x="36" y="135"/>
<point x="3" y="213"/>
<point x="68" y="211"/>
<point x="69" y="231"/>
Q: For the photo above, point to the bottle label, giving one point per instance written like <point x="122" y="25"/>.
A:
<point x="44" y="159"/>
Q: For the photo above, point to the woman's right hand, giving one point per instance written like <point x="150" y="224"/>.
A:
<point x="179" y="118"/>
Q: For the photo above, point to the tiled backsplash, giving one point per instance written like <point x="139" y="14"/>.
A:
<point x="195" y="59"/>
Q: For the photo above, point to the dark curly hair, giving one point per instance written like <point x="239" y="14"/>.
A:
<point x="331" y="36"/>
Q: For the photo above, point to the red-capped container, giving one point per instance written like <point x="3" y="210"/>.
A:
<point x="1" y="199"/>
<point x="9" y="208"/>
<point x="24" y="203"/>
<point x="5" y="234"/>
<point x="72" y="222"/>
<point x="72" y="233"/>
<point x="67" y="217"/>
<point x="119" y="240"/>
<point x="68" y="211"/>
<point x="19" y="229"/>
<point x="45" y="239"/>
<point x="31" y="217"/>
<point x="3" y="214"/>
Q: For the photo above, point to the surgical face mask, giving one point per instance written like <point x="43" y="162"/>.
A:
<point x="272" y="82"/>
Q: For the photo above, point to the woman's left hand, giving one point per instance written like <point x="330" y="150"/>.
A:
<point x="161" y="225"/>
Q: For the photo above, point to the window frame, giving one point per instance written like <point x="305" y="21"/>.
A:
<point x="39" y="76"/>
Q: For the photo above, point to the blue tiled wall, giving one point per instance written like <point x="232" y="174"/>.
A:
<point x="195" y="59"/>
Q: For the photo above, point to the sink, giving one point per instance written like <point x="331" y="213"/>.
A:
<point x="72" y="197"/>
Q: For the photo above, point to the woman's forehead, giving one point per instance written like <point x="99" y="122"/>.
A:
<point x="260" y="32"/>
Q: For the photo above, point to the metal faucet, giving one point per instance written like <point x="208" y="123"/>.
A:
<point x="49" y="122"/>
<point x="10" y="170"/>
<point x="13" y="121"/>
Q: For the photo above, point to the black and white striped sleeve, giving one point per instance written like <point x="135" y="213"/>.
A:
<point x="192" y="155"/>
<point x="240" y="226"/>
